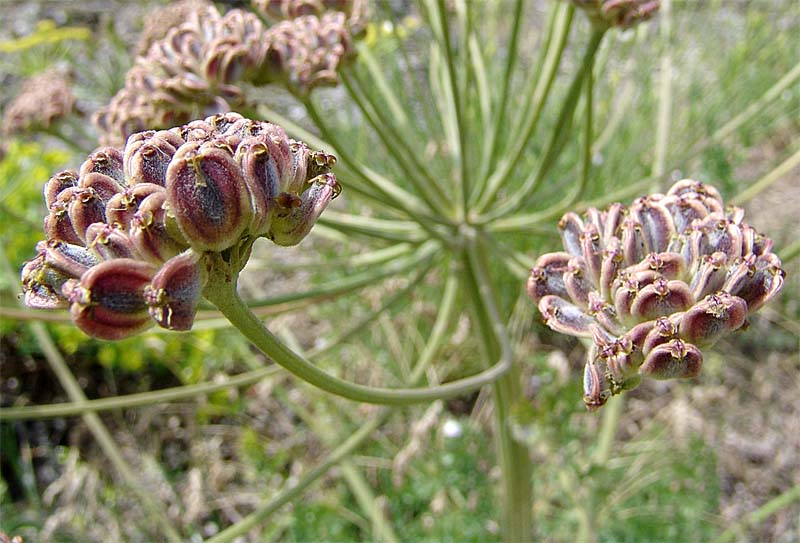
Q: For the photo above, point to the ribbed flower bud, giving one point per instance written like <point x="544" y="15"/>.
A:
<point x="296" y="214"/>
<point x="173" y="294"/>
<point x="207" y="195"/>
<point x="653" y="283"/>
<point x="108" y="301"/>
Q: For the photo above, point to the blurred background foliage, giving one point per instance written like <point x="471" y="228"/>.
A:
<point x="686" y="461"/>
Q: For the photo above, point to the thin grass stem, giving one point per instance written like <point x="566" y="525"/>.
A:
<point x="768" y="180"/>
<point x="557" y="139"/>
<point x="493" y="142"/>
<point x="539" y="93"/>
<point x="458" y="105"/>
<point x="760" y="515"/>
<point x="395" y="142"/>
<point x="664" y="119"/>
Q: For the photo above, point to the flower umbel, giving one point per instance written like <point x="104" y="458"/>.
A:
<point x="653" y="283"/>
<point x="132" y="237"/>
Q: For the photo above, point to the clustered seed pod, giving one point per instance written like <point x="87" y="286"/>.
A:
<point x="44" y="99"/>
<point x="196" y="68"/>
<point x="130" y="235"/>
<point x="653" y="283"/>
<point x="619" y="13"/>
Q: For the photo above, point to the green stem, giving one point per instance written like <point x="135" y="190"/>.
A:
<point x="665" y="92"/>
<point x="557" y="139"/>
<point x="354" y="282"/>
<point x="765" y="182"/>
<point x="494" y="140"/>
<point x="458" y="99"/>
<point x="750" y="112"/>
<point x="513" y="456"/>
<point x="588" y="136"/>
<point x="383" y="87"/>
<point x="392" y="230"/>
<point x="396" y="145"/>
<point x="608" y="429"/>
<point x="337" y="455"/>
<point x="394" y="196"/>
<point x="223" y="295"/>
<point x="135" y="400"/>
<point x="532" y="221"/>
<point x="538" y="97"/>
<point x="791" y="252"/>
<point x="761" y="514"/>
<point x="432" y="347"/>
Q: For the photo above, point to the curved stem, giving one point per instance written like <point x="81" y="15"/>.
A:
<point x="223" y="295"/>
<point x="432" y="347"/>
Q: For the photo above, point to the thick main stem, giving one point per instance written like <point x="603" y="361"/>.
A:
<point x="515" y="463"/>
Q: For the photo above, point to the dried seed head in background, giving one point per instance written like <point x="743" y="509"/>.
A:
<point x="131" y="234"/>
<point x="652" y="284"/>
<point x="197" y="67"/>
<point x="43" y="100"/>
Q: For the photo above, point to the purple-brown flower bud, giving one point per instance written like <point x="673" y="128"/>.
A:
<point x="107" y="161"/>
<point x="85" y="208"/>
<point x="661" y="298"/>
<point x="596" y="390"/>
<point x="547" y="276"/>
<point x="58" y="183"/>
<point x="175" y="291"/>
<point x="41" y="284"/>
<point x="562" y="316"/>
<point x="675" y="359"/>
<point x="570" y="227"/>
<point x="105" y="187"/>
<point x="69" y="259"/>
<point x="147" y="158"/>
<point x="108" y="301"/>
<point x="122" y="207"/>
<point x="711" y="318"/>
<point x="656" y="223"/>
<point x="149" y="233"/>
<point x="208" y="197"/>
<point x="110" y="242"/>
<point x="295" y="216"/>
